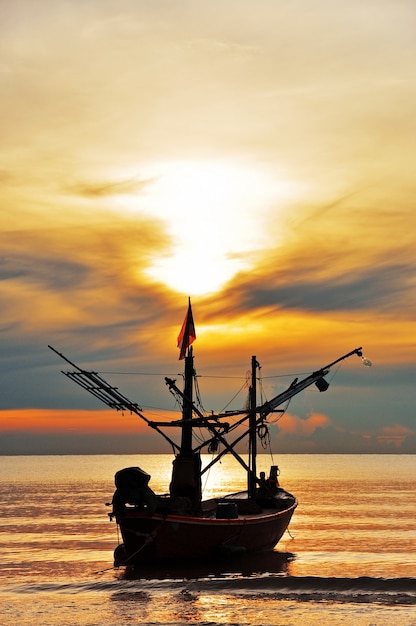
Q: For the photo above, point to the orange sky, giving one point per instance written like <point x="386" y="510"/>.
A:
<point x="257" y="157"/>
<point x="67" y="420"/>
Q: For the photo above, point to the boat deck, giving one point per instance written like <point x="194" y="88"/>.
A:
<point x="246" y="507"/>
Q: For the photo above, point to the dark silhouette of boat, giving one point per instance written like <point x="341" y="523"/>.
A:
<point x="181" y="526"/>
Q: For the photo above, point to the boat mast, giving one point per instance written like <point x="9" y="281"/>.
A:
<point x="252" y="446"/>
<point x="186" y="439"/>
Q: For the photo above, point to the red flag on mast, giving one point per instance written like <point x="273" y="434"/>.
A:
<point x="187" y="334"/>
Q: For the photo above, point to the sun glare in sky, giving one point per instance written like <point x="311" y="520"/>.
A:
<point x="215" y="214"/>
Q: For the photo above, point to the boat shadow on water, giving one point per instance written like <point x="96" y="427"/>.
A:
<point x="244" y="565"/>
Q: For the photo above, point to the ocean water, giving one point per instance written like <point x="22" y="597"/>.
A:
<point x="349" y="557"/>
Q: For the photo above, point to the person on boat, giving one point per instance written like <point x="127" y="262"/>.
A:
<point x="263" y="486"/>
<point x="273" y="481"/>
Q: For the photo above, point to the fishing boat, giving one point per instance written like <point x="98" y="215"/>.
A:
<point x="180" y="525"/>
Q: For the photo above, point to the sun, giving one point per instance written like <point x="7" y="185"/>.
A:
<point x="192" y="273"/>
<point x="215" y="213"/>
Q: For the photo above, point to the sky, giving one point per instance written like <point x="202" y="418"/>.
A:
<point x="257" y="157"/>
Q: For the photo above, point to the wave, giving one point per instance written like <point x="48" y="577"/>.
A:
<point x="315" y="588"/>
<point x="386" y="591"/>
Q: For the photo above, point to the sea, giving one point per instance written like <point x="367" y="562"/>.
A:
<point x="348" y="557"/>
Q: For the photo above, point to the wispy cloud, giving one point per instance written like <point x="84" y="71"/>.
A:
<point x="378" y="289"/>
<point x="104" y="189"/>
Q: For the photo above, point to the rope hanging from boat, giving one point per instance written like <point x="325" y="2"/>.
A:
<point x="263" y="434"/>
<point x="198" y="394"/>
<point x="149" y="538"/>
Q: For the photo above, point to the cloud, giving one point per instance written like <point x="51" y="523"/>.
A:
<point x="363" y="289"/>
<point x="334" y="257"/>
<point x="395" y="434"/>
<point x="69" y="259"/>
<point x="42" y="268"/>
<point x="108" y="188"/>
<point x="335" y="441"/>
<point x="294" y="425"/>
<point x="34" y="442"/>
<point x="298" y="284"/>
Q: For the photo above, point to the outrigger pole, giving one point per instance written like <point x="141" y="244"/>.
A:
<point x="316" y="377"/>
<point x="109" y="395"/>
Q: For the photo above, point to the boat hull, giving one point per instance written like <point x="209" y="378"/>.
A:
<point x="153" y="538"/>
